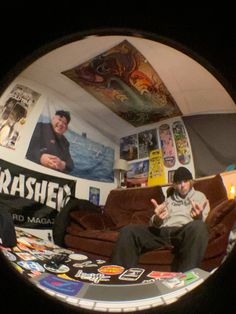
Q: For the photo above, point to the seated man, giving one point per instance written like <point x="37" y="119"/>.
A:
<point x="178" y="222"/>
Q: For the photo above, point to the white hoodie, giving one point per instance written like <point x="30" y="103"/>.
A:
<point x="179" y="209"/>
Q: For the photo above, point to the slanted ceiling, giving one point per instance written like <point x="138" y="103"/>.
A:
<point x="195" y="90"/>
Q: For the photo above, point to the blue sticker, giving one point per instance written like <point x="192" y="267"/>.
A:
<point x="30" y="265"/>
<point x="68" y="287"/>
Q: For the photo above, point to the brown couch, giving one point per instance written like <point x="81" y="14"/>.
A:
<point x="93" y="231"/>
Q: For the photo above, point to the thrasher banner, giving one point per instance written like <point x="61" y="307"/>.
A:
<point x="33" y="198"/>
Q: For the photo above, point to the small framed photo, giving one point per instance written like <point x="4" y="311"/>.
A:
<point x="171" y="176"/>
<point x="94" y="195"/>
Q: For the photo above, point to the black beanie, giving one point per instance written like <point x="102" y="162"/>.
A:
<point x="182" y="174"/>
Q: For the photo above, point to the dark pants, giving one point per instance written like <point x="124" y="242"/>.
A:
<point x="7" y="228"/>
<point x="189" y="242"/>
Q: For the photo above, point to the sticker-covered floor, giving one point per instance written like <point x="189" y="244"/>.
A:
<point x="95" y="284"/>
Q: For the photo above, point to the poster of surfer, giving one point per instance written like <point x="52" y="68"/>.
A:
<point x="14" y="112"/>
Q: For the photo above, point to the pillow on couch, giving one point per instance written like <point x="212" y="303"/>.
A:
<point x="217" y="213"/>
<point x="213" y="188"/>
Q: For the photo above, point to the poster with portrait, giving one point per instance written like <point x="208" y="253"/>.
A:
<point x="56" y="143"/>
<point x="129" y="147"/>
<point x="137" y="173"/>
<point x="14" y="112"/>
<point x="124" y="81"/>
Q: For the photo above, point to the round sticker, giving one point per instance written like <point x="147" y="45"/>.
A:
<point x="9" y="255"/>
<point x="61" y="250"/>
<point x="62" y="269"/>
<point x="30" y="265"/>
<point x="111" y="269"/>
<point x="78" y="257"/>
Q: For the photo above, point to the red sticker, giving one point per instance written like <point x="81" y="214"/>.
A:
<point x="162" y="274"/>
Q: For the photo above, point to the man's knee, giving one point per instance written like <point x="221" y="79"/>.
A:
<point x="198" y="227"/>
<point x="131" y="229"/>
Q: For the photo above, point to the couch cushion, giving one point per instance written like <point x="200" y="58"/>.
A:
<point x="213" y="188"/>
<point x="91" y="221"/>
<point x="122" y="203"/>
<point x="110" y="236"/>
<point x="141" y="217"/>
<point x="90" y="246"/>
<point x="92" y="241"/>
<point x="73" y="228"/>
<point x="162" y="256"/>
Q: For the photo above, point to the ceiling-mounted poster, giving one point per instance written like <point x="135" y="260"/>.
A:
<point x="123" y="80"/>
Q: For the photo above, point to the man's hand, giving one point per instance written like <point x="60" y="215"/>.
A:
<point x="160" y="210"/>
<point x="197" y="208"/>
<point x="52" y="162"/>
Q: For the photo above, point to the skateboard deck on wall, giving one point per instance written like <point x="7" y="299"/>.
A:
<point x="167" y="145"/>
<point x="181" y="141"/>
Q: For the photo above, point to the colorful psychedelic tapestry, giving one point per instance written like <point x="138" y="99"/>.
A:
<point x="122" y="79"/>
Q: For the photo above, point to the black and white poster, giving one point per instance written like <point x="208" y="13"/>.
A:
<point x="33" y="198"/>
<point x="14" y="114"/>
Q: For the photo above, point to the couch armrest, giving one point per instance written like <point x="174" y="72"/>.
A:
<point x="218" y="231"/>
<point x="217" y="244"/>
<point x="217" y="213"/>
